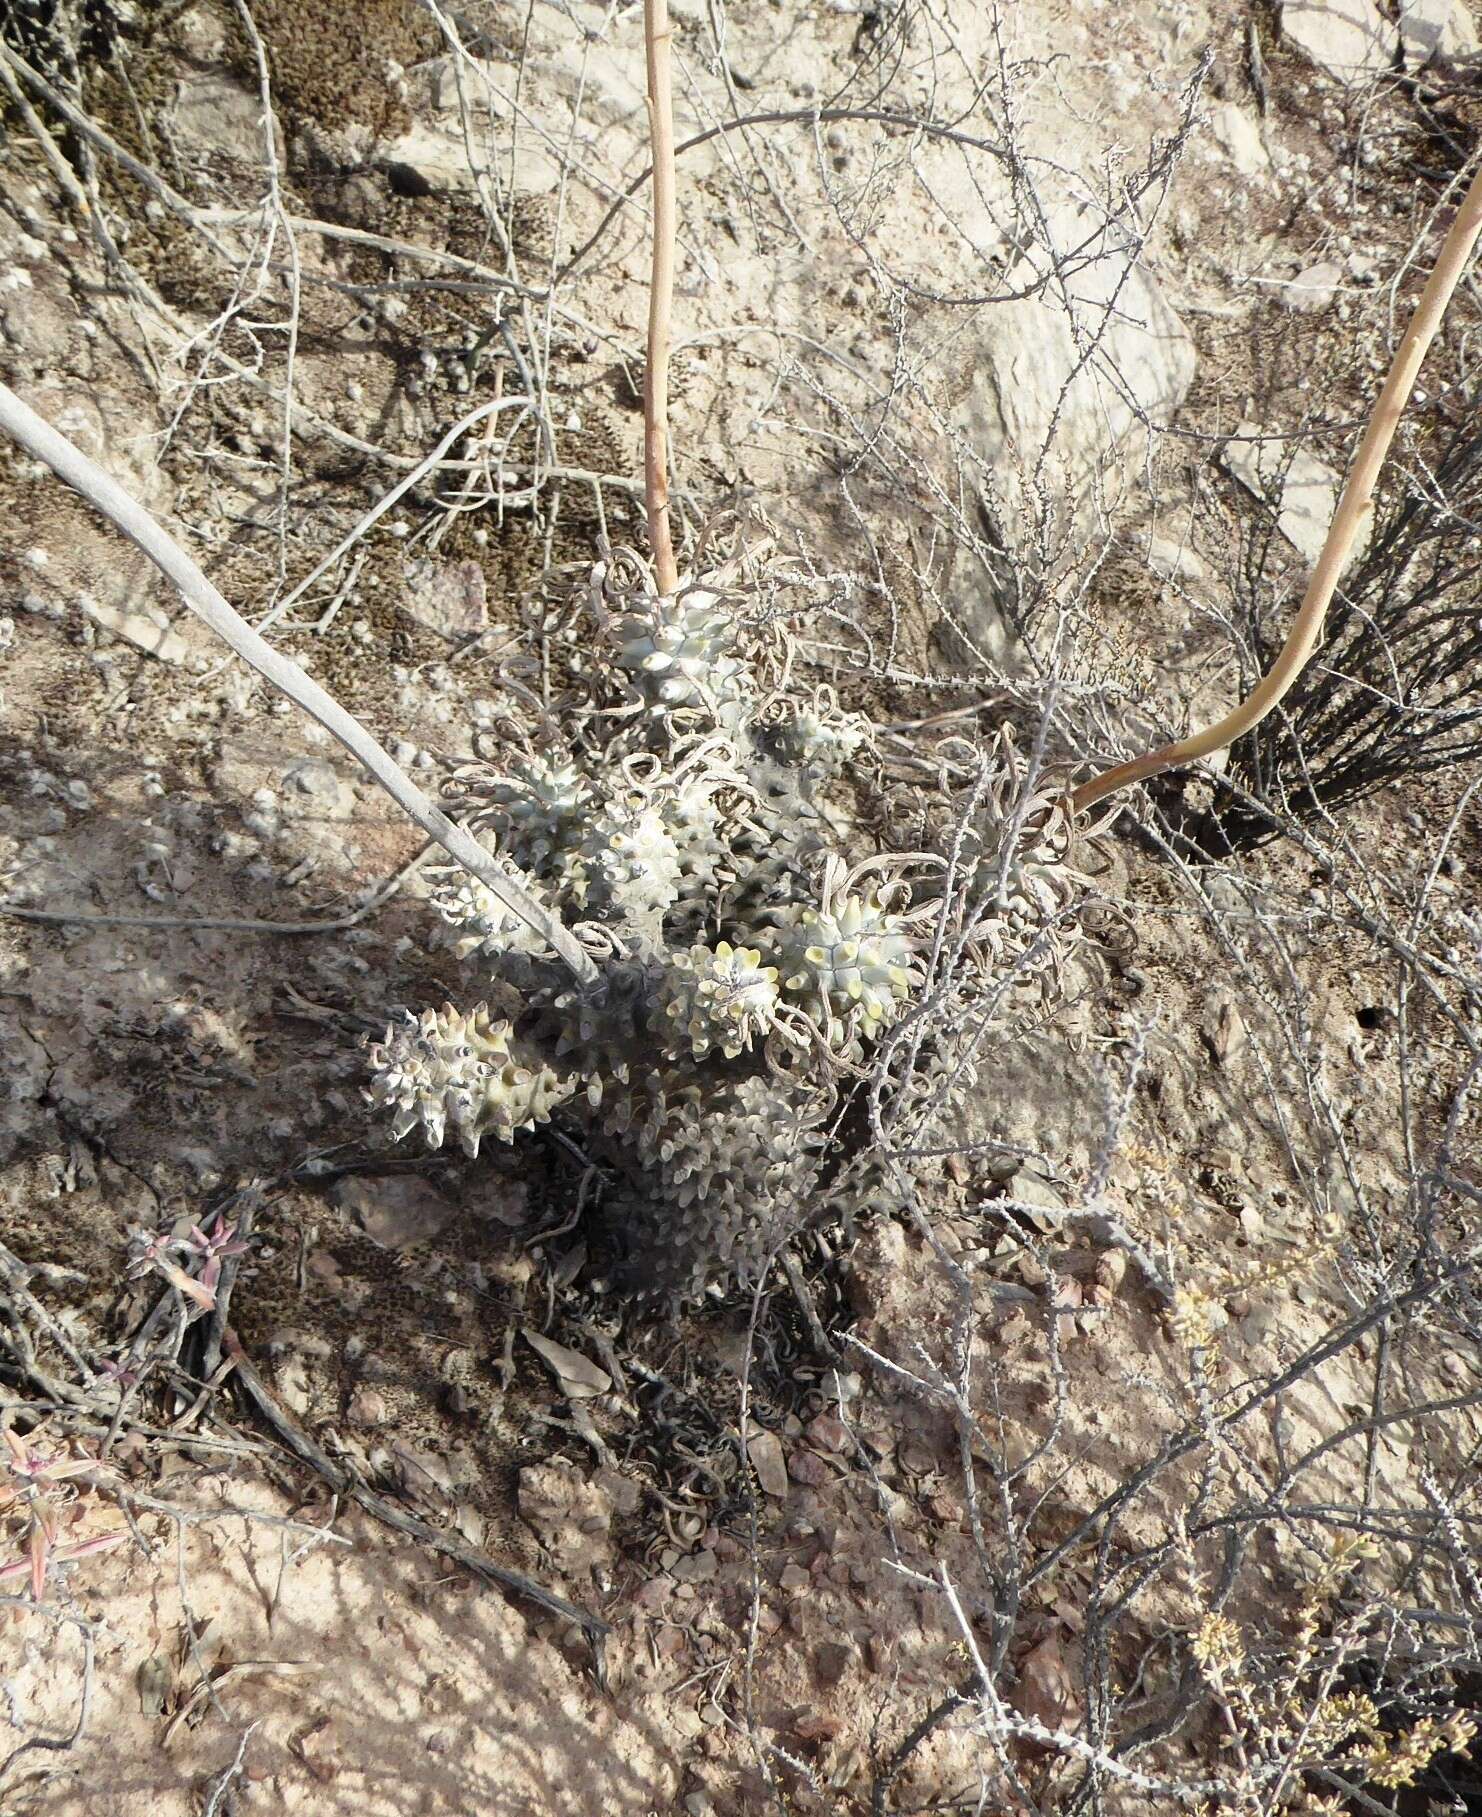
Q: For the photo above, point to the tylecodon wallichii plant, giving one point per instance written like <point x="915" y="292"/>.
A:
<point x="742" y="963"/>
<point x="746" y="959"/>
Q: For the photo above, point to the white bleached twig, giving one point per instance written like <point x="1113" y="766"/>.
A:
<point x="105" y="494"/>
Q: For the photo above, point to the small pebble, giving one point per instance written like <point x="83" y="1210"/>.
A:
<point x="828" y="1432"/>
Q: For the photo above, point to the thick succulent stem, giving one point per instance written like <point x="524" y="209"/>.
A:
<point x="1353" y="511"/>
<point x="105" y="494"/>
<point x="660" y="297"/>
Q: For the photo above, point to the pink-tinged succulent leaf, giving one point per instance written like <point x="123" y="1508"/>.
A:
<point x="39" y="1466"/>
<point x="153" y="1247"/>
<point x="59" y="1470"/>
<point x="78" y="1548"/>
<point x="85" y="1548"/>
<point x="222" y="1242"/>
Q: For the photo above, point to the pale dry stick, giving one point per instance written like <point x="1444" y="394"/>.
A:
<point x="221" y="1785"/>
<point x="307" y="420"/>
<point x="104" y="493"/>
<point x="541" y="348"/>
<point x="429" y="464"/>
<point x="88" y="1634"/>
<point x="790" y="116"/>
<point x="728" y="76"/>
<point x="657" y="33"/>
<point x="544" y="443"/>
<point x="486" y="279"/>
<point x="69" y="186"/>
<point x="66" y="178"/>
<point x="1355" y="507"/>
<point x="474" y="491"/>
<point x="1073" y="1745"/>
<point x="320" y="425"/>
<point x="94" y="134"/>
<point x="463" y="65"/>
<point x="202" y="219"/>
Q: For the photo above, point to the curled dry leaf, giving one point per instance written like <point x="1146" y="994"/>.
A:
<point x="396" y="1211"/>
<point x="580" y="1378"/>
<point x="1067" y="1300"/>
<point x="764" y="1449"/>
<point x="1227" y="1035"/>
<point x="156" y="1682"/>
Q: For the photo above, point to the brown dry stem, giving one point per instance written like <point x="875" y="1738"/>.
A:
<point x="1354" y="509"/>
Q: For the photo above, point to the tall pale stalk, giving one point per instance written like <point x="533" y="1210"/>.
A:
<point x="657" y="33"/>
<point x="1354" y="508"/>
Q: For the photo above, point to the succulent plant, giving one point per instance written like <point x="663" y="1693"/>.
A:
<point x="537" y="805"/>
<point x="601" y="1030"/>
<point x="848" y="962"/>
<point x="477" y="923"/>
<point x="626" y="868"/>
<point x="677" y="651"/>
<point x="444" y="1069"/>
<point x="726" y="1179"/>
<point x="822" y="741"/>
<point x="724" y="999"/>
<point x="692" y="845"/>
<point x="703" y="831"/>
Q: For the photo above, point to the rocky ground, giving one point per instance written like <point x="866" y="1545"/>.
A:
<point x="1008" y="325"/>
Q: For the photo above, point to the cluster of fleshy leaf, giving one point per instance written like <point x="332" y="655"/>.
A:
<point x="444" y="1073"/>
<point x="695" y="827"/>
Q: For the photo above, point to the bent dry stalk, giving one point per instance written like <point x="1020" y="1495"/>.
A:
<point x="1353" y="510"/>
<point x="105" y="494"/>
